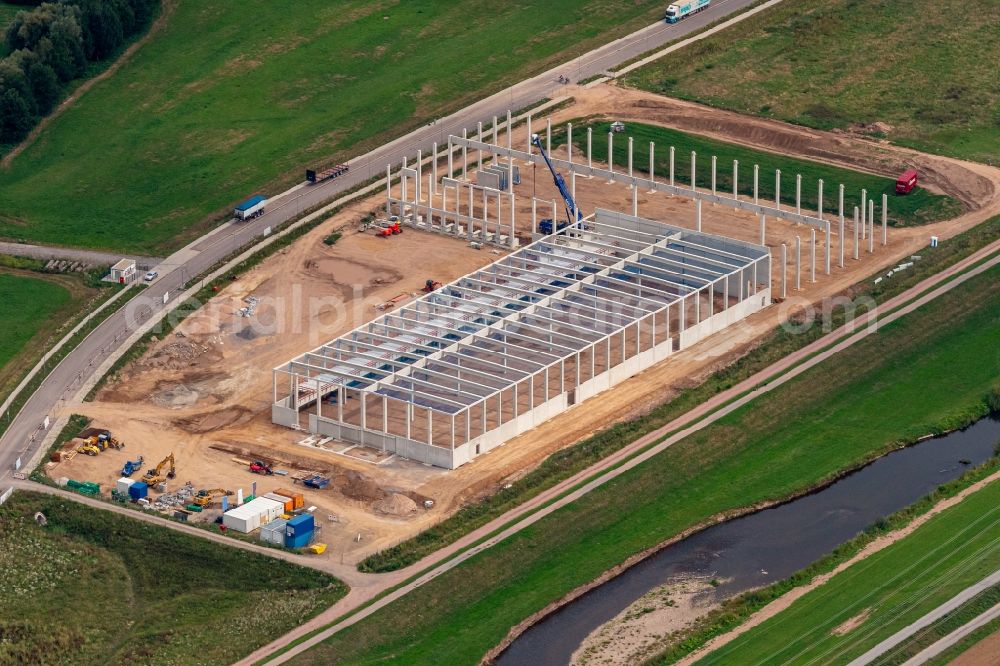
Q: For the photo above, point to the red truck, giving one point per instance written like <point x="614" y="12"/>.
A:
<point x="906" y="181"/>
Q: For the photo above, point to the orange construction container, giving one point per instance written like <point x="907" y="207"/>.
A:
<point x="298" y="499"/>
<point x="287" y="502"/>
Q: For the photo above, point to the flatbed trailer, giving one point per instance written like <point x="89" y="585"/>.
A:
<point x="313" y="176"/>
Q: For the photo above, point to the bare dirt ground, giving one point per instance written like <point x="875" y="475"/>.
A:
<point x="212" y="388"/>
<point x="983" y="653"/>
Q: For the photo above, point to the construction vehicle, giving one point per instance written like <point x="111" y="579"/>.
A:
<point x="572" y="210"/>
<point x="906" y="181"/>
<point x="316" y="481"/>
<point x="681" y="10"/>
<point x="317" y="548"/>
<point x="431" y="285"/>
<point x="89" y="449"/>
<point x="206" y="498"/>
<point x="386" y="228"/>
<point x="156" y="475"/>
<point x="110" y="442"/>
<point x="132" y="466"/>
<point x="261" y="467"/>
<point x="313" y="176"/>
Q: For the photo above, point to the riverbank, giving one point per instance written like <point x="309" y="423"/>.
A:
<point x="894" y="580"/>
<point x="831" y="511"/>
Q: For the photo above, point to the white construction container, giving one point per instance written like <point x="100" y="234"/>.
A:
<point x="123" y="484"/>
<point x="274" y="532"/>
<point x="267" y="509"/>
<point x="241" y="519"/>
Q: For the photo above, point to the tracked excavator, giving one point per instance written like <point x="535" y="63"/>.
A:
<point x="206" y="498"/>
<point x="156" y="475"/>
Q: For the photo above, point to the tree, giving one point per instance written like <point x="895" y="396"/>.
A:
<point x="63" y="49"/>
<point x="16" y="119"/>
<point x="45" y="85"/>
<point x="12" y="77"/>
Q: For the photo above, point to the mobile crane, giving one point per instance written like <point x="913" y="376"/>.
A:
<point x="547" y="226"/>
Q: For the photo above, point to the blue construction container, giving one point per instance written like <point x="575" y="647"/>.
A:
<point x="299" y="531"/>
<point x="138" y="490"/>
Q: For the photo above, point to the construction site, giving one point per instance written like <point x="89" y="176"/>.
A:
<point x="479" y="313"/>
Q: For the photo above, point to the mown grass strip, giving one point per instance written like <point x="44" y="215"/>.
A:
<point x="916" y="208"/>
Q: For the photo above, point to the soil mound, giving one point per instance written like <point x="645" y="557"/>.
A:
<point x="359" y="487"/>
<point x="396" y="505"/>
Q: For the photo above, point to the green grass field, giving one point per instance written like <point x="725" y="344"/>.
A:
<point x="232" y="98"/>
<point x="894" y="587"/>
<point x="935" y="369"/>
<point x="918" y="66"/>
<point x="29" y="304"/>
<point x="94" y="587"/>
<point x="918" y="207"/>
<point x="35" y="307"/>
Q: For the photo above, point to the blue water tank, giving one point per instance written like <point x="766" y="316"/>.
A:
<point x="138" y="490"/>
<point x="299" y="531"/>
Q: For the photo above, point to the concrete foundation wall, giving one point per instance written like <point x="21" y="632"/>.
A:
<point x="401" y="446"/>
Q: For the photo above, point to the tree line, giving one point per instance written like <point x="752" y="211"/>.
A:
<point x="51" y="45"/>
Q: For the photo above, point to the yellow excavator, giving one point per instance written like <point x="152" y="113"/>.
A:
<point x="156" y="475"/>
<point x="206" y="498"/>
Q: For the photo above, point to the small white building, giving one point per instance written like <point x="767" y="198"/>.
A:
<point x="250" y="516"/>
<point x="123" y="272"/>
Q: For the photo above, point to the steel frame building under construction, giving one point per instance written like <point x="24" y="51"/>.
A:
<point x="483" y="359"/>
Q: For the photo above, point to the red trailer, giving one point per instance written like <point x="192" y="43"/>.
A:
<point x="906" y="181"/>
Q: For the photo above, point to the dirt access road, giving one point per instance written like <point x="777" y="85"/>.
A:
<point x="206" y="397"/>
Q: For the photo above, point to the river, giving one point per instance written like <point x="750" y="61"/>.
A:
<point x="767" y="546"/>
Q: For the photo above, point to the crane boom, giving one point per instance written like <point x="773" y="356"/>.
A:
<point x="559" y="181"/>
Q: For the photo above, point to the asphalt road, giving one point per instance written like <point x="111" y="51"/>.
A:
<point x="24" y="435"/>
<point x="953" y="638"/>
